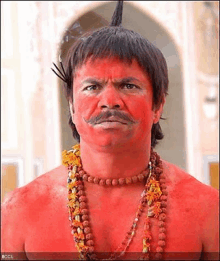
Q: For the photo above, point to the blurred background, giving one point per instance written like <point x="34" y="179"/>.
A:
<point x="34" y="110"/>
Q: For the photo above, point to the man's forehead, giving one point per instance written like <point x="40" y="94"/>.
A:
<point x="115" y="80"/>
<point x="92" y="62"/>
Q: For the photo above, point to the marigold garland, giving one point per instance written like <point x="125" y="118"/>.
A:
<point x="78" y="214"/>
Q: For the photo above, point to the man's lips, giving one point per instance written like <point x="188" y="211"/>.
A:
<point x="112" y="119"/>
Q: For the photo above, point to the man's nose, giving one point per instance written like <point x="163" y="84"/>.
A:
<point x="110" y="98"/>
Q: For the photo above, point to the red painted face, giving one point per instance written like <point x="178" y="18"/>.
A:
<point x="112" y="103"/>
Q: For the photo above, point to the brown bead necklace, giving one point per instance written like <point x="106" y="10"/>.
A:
<point x="113" y="182"/>
<point x="154" y="195"/>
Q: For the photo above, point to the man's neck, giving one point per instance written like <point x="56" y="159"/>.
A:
<point x="111" y="163"/>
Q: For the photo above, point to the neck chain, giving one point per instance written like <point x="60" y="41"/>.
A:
<point x="154" y="195"/>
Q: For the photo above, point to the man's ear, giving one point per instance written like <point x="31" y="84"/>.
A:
<point x="71" y="110"/>
<point x="158" y="111"/>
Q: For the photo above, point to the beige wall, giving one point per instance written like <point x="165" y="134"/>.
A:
<point x="207" y="64"/>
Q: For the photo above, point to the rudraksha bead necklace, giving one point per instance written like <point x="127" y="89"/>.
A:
<point x="154" y="195"/>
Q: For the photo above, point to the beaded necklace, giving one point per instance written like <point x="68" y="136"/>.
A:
<point x="154" y="195"/>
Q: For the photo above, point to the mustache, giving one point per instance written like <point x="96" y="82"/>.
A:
<point x="107" y="114"/>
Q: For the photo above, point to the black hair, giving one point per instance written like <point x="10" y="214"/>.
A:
<point x="116" y="41"/>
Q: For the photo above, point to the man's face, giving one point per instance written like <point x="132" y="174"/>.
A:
<point x="112" y="103"/>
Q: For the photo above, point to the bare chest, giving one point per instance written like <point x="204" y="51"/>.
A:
<point x="50" y="229"/>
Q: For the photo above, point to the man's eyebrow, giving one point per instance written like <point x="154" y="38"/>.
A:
<point x="91" y="80"/>
<point x="123" y="80"/>
<point x="128" y="79"/>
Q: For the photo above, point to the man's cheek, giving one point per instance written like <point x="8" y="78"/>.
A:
<point x="141" y="111"/>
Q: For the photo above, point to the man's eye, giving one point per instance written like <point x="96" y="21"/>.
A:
<point x="129" y="86"/>
<point x="91" y="88"/>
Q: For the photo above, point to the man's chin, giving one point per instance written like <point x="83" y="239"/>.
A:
<point x="110" y="139"/>
<point x="111" y="145"/>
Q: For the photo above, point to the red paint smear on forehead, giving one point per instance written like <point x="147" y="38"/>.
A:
<point x="111" y="60"/>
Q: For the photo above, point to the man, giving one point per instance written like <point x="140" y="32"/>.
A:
<point x="122" y="199"/>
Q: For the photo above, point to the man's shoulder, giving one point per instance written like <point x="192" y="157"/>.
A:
<point x="23" y="207"/>
<point x="40" y="188"/>
<point x="183" y="185"/>
<point x="194" y="206"/>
